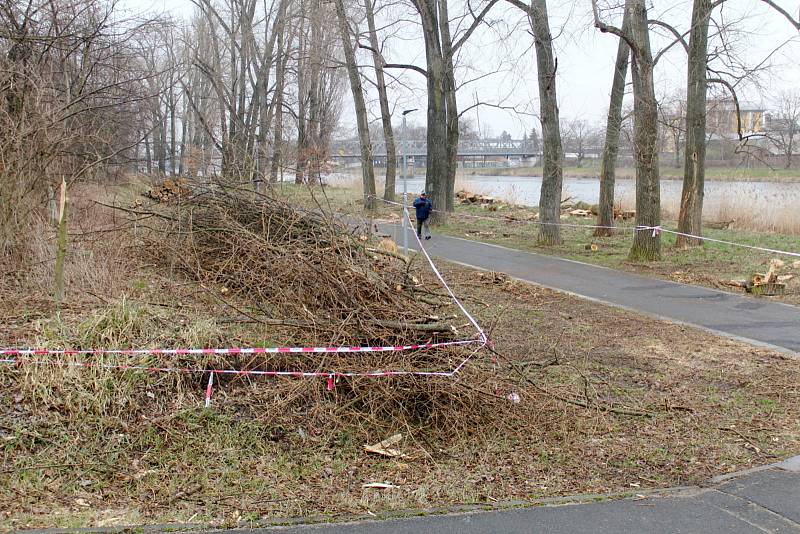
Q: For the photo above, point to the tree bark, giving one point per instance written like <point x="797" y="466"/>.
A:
<point x="452" y="107"/>
<point x="300" y="159"/>
<point x="386" y="114"/>
<point x="691" y="213"/>
<point x="173" y="130"/>
<point x="646" y="243"/>
<point x="605" y="210"/>
<point x="443" y="131"/>
<point x="147" y="154"/>
<point x="552" y="154"/>
<point x="436" y="162"/>
<point x="362" y="120"/>
<point x="280" y="81"/>
<point x="266" y="109"/>
<point x="184" y="129"/>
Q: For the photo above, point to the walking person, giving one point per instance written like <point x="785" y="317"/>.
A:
<point x="423" y="207"/>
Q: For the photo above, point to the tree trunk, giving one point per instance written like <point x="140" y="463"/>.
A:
<point x="436" y="161"/>
<point x="314" y="125"/>
<point x="300" y="158"/>
<point x="184" y="128"/>
<point x="451" y="106"/>
<point x="147" y="154"/>
<point x="646" y="243"/>
<point x="280" y="80"/>
<point x="386" y="114"/>
<point x="160" y="142"/>
<point x="690" y="218"/>
<point x="362" y="120"/>
<point x="173" y="130"/>
<point x="605" y="210"/>
<point x="552" y="154"/>
<point x="266" y="110"/>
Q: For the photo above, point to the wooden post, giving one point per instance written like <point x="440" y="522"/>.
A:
<point x="61" y="253"/>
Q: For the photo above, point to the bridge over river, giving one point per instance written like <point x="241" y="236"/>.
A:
<point x="469" y="150"/>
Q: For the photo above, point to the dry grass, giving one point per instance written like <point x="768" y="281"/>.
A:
<point x="96" y="446"/>
<point x="140" y="448"/>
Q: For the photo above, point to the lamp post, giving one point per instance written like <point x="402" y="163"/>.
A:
<point x="405" y="180"/>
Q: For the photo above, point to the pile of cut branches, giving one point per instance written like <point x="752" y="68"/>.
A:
<point x="305" y="272"/>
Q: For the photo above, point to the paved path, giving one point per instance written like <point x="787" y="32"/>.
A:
<point x="750" y="319"/>
<point x="764" y="501"/>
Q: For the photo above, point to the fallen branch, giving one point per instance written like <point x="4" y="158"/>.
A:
<point x="576" y="402"/>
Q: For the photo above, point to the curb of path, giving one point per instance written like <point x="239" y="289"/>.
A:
<point x="791" y="464"/>
<point x="393" y="514"/>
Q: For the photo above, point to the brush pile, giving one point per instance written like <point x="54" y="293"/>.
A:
<point x="313" y="279"/>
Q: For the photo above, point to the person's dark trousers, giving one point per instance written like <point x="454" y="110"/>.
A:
<point x="423" y="224"/>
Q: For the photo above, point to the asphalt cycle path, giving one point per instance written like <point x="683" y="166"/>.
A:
<point x="766" y="500"/>
<point x="753" y="320"/>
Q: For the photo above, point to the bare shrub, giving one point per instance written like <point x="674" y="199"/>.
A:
<point x="71" y="79"/>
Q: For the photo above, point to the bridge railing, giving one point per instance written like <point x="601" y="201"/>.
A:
<point x="419" y="147"/>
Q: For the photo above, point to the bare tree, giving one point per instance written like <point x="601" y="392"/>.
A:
<point x="672" y="119"/>
<point x="646" y="243"/>
<point x="282" y="59"/>
<point x="362" y="121"/>
<point x="578" y="136"/>
<point x="320" y="87"/>
<point x="690" y="217"/>
<point x="73" y="84"/>
<point x="608" y="164"/>
<point x="699" y="59"/>
<point x="383" y="97"/>
<point x="783" y="130"/>
<point x="552" y="152"/>
<point x="442" y="131"/>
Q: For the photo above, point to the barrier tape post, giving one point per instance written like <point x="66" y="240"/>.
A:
<point x="209" y="388"/>
<point x="405" y="217"/>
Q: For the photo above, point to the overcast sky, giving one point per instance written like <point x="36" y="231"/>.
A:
<point x="501" y="60"/>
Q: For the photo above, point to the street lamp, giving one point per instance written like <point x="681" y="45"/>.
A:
<point x="405" y="179"/>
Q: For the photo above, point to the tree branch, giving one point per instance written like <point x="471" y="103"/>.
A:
<point x="783" y="12"/>
<point x="475" y="23"/>
<point x="678" y="36"/>
<point x="520" y="5"/>
<point x="608" y="28"/>
<point x="735" y="98"/>
<point x="406" y="66"/>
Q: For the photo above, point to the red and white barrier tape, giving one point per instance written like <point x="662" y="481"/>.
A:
<point x="471" y="319"/>
<point x="218" y="351"/>
<point x="723" y="242"/>
<point x="21" y="356"/>
<point x="656" y="230"/>
<point x="240" y="372"/>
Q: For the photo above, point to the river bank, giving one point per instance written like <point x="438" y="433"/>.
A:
<point x="721" y="174"/>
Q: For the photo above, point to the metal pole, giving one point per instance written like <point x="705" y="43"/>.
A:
<point x="405" y="189"/>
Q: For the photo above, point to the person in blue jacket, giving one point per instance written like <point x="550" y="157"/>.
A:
<point x="423" y="207"/>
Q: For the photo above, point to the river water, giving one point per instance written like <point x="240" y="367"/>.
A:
<point x="770" y="206"/>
